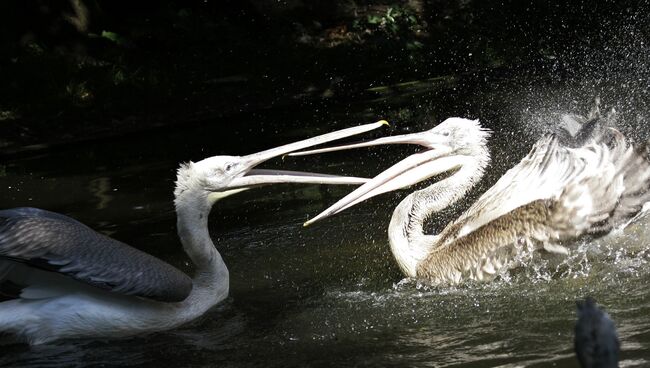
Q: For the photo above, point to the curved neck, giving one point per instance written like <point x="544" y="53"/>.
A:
<point x="192" y="213"/>
<point x="408" y="241"/>
<point x="211" y="280"/>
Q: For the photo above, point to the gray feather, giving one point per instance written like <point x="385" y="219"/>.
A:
<point x="55" y="242"/>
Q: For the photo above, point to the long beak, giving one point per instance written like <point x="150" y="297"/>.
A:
<point x="437" y="159"/>
<point x="411" y="170"/>
<point x="266" y="176"/>
<point x="255" y="177"/>
<point x="421" y="138"/>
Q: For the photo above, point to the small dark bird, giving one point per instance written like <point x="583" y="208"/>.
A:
<point x="596" y="341"/>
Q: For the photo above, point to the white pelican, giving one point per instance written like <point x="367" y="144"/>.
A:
<point x="584" y="180"/>
<point x="60" y="279"/>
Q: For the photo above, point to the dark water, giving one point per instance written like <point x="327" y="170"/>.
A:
<point x="330" y="294"/>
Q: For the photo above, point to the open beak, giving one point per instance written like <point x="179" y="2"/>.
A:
<point x="411" y="170"/>
<point x="254" y="177"/>
<point x="421" y="138"/>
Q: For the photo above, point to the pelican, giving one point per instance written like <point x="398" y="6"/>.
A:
<point x="60" y="279"/>
<point x="586" y="179"/>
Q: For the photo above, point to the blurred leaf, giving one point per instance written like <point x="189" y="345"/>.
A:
<point x="35" y="49"/>
<point x="116" y="38"/>
<point x="118" y="76"/>
<point x="374" y="19"/>
<point x="8" y="115"/>
<point x="415" y="45"/>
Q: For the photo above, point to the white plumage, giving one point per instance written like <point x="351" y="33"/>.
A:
<point x="584" y="180"/>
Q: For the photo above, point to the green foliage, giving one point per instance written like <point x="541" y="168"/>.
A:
<point x="115" y="38"/>
<point x="8" y="115"/>
<point x="414" y="45"/>
<point x="79" y="93"/>
<point x="119" y="75"/>
<point x="34" y="49"/>
<point x="394" y="22"/>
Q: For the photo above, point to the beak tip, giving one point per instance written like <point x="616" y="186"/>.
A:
<point x="384" y="122"/>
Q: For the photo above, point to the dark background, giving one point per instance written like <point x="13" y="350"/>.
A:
<point x="73" y="70"/>
<point x="100" y="101"/>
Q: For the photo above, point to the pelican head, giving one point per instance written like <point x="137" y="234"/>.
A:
<point x="220" y="176"/>
<point x="459" y="136"/>
<point x="68" y="281"/>
<point x="449" y="145"/>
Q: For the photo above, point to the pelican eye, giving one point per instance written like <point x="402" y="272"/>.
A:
<point x="229" y="167"/>
<point x="445" y="133"/>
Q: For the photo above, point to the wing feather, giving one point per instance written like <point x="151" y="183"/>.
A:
<point x="54" y="242"/>
<point x="542" y="174"/>
<point x="604" y="180"/>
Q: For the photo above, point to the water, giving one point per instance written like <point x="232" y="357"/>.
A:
<point x="331" y="294"/>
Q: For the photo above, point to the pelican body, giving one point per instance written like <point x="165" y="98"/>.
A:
<point x="60" y="279"/>
<point x="586" y="179"/>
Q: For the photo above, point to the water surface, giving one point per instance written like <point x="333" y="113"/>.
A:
<point x="331" y="294"/>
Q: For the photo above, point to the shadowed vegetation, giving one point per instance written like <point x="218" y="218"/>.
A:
<point x="88" y="67"/>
